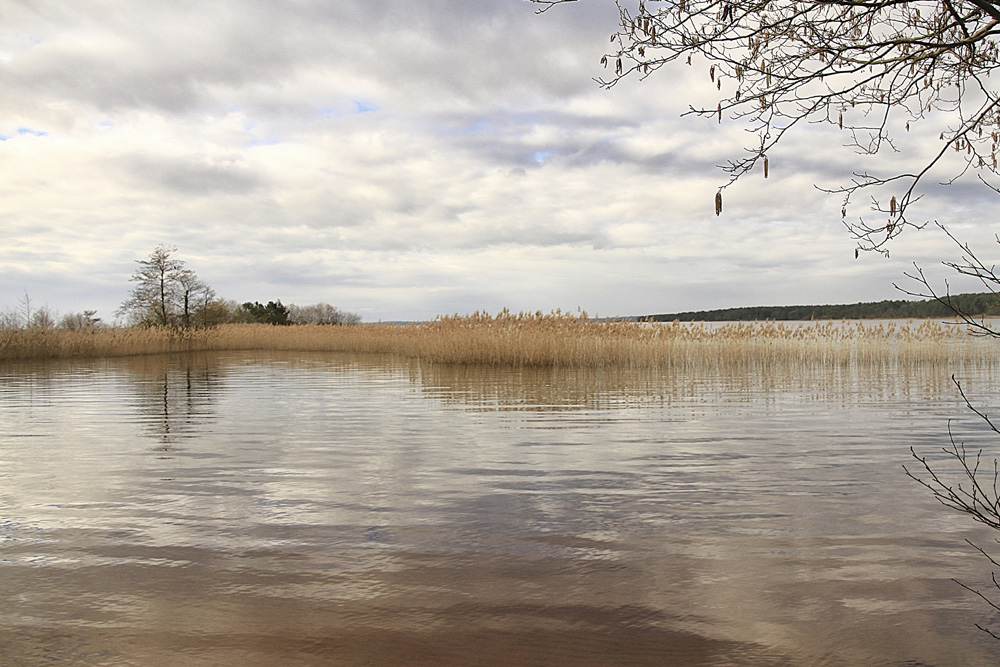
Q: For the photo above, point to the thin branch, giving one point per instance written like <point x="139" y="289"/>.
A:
<point x="978" y="498"/>
<point x="861" y="65"/>
<point x="971" y="266"/>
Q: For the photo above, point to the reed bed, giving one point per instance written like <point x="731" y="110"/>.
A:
<point x="537" y="340"/>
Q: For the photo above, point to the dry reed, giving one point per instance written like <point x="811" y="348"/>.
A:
<point x="554" y="340"/>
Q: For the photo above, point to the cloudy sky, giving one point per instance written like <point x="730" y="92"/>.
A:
<point x="402" y="160"/>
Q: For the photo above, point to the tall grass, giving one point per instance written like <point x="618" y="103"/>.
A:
<point x="537" y="340"/>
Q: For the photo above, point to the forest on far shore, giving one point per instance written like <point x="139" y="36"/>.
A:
<point x="975" y="305"/>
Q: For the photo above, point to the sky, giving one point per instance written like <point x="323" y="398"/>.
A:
<point x="403" y="160"/>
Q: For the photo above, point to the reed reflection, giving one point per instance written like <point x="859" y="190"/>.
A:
<point x="320" y="508"/>
<point x="490" y="388"/>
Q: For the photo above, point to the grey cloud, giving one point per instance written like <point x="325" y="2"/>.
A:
<point x="170" y="56"/>
<point x="192" y="56"/>
<point x="517" y="235"/>
<point x="504" y="138"/>
<point x="190" y="176"/>
<point x="492" y="155"/>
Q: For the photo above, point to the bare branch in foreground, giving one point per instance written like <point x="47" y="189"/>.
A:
<point x="977" y="494"/>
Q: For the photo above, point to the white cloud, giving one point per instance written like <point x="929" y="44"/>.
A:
<point x="400" y="160"/>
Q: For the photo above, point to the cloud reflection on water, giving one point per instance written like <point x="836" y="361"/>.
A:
<point x="313" y="504"/>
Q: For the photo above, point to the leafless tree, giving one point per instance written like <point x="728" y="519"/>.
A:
<point x="75" y="321"/>
<point x="321" y="313"/>
<point x="10" y="319"/>
<point x="165" y="293"/>
<point x="43" y="318"/>
<point x="872" y="68"/>
<point x="27" y="316"/>
<point x="153" y="298"/>
<point x="194" y="296"/>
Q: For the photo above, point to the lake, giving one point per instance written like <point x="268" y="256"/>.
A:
<point x="318" y="509"/>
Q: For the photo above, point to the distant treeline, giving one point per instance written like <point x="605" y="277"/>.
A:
<point x="975" y="305"/>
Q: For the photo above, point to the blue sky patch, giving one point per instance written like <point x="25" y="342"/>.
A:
<point x="360" y="107"/>
<point x="24" y="132"/>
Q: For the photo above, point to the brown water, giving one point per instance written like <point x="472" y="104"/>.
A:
<point x="329" y="510"/>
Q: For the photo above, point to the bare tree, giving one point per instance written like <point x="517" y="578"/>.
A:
<point x="10" y="319"/>
<point x="85" y="320"/>
<point x="29" y="317"/>
<point x="321" y="313"/>
<point x="194" y="296"/>
<point x="154" y="296"/>
<point x="165" y="292"/>
<point x="43" y="318"/>
<point x="872" y="68"/>
<point x="26" y="310"/>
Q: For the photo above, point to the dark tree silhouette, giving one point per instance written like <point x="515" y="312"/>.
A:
<point x="273" y="313"/>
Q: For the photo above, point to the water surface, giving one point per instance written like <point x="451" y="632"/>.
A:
<point x="320" y="509"/>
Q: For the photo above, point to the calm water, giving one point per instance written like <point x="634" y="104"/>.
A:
<point x="329" y="510"/>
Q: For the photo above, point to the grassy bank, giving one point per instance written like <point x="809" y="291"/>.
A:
<point x="538" y="340"/>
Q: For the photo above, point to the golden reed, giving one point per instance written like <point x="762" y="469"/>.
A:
<point x="555" y="340"/>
